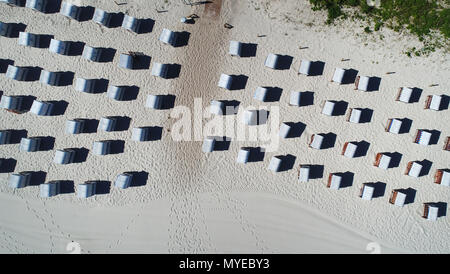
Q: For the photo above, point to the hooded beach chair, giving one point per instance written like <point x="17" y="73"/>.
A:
<point x="209" y="144"/>
<point x="243" y="155"/>
<point x="12" y="103"/>
<point x="70" y="11"/>
<point x="362" y="83"/>
<point x="168" y="37"/>
<point x="276" y="163"/>
<point x="317" y="141"/>
<point x="75" y="126"/>
<point x="116" y="92"/>
<point x="64" y="156"/>
<point x="255" y="117"/>
<point x="225" y="81"/>
<point x="30" y="144"/>
<point x="350" y="149"/>
<point x="155" y="101"/>
<point x="394" y="125"/>
<point x="355" y="115"/>
<point x="30" y="39"/>
<point x="86" y="189"/>
<point x="405" y="95"/>
<point x="160" y="70"/>
<point x="305" y="67"/>
<point x="132" y="24"/>
<point x="304" y="173"/>
<point x="423" y="137"/>
<point x="414" y="169"/>
<point x="235" y="48"/>
<point x="87" y="85"/>
<point x="339" y="74"/>
<point x="447" y="144"/>
<point x="20" y="180"/>
<point x="334" y="181"/>
<point x="123" y="180"/>
<point x="61" y="47"/>
<point x="42" y="108"/>
<point x="329" y="107"/>
<point x="49" y="189"/>
<point x="127" y="61"/>
<point x="141" y="134"/>
<point x="272" y="61"/>
<point x="366" y="192"/>
<point x="39" y="5"/>
<point x="6" y="29"/>
<point x="103" y="18"/>
<point x="93" y="54"/>
<point x="430" y="211"/>
<point x="434" y="102"/>
<point x="102" y="147"/>
<point x="51" y="78"/>
<point x="18" y="73"/>
<point x="398" y="197"/>
<point x="383" y="160"/>
<point x="299" y="98"/>
<point x="108" y="124"/>
<point x="442" y="177"/>
<point x="5" y="136"/>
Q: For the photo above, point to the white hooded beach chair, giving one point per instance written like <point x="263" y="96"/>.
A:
<point x="29" y="39"/>
<point x="42" y="108"/>
<point x="217" y="107"/>
<point x="38" y="5"/>
<point x="305" y="67"/>
<point x="338" y="75"/>
<point x="71" y="11"/>
<point x="30" y="144"/>
<point x="6" y="29"/>
<point x="272" y="61"/>
<point x="295" y="98"/>
<point x="160" y="70"/>
<point x="60" y="47"/>
<point x="64" y="156"/>
<point x="116" y="92"/>
<point x="225" y="81"/>
<point x="398" y="197"/>
<point x="86" y="85"/>
<point x="434" y="102"/>
<point x="93" y="54"/>
<point x="404" y="95"/>
<point x="382" y="160"/>
<point x="350" y="149"/>
<point x="140" y="134"/>
<point x="255" y="117"/>
<point x="127" y="61"/>
<point x="355" y="115"/>
<point x="243" y="155"/>
<point x="423" y="137"/>
<point x="11" y="103"/>
<point x="51" y="78"/>
<point x="334" y="181"/>
<point x="102" y="17"/>
<point x="108" y="124"/>
<point x="317" y="141"/>
<point x="20" y="180"/>
<point x="209" y="144"/>
<point x="366" y="192"/>
<point x="75" y="126"/>
<point x="285" y="130"/>
<point x="430" y="211"/>
<point x="155" y="101"/>
<point x="168" y="37"/>
<point x="261" y="94"/>
<point x="86" y="189"/>
<point x="394" y="126"/>
<point x="328" y="108"/>
<point x="5" y="136"/>
<point x="442" y="177"/>
<point x="363" y="83"/>
<point x="16" y="3"/>
<point x="414" y="169"/>
<point x="131" y="23"/>
<point x="304" y="173"/>
<point x="102" y="147"/>
<point x="275" y="163"/>
<point x="123" y="180"/>
<point x="235" y="48"/>
<point x="49" y="189"/>
<point x="17" y="73"/>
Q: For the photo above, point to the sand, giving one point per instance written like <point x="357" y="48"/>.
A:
<point x="194" y="202"/>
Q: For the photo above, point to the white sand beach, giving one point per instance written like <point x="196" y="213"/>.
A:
<point x="197" y="202"/>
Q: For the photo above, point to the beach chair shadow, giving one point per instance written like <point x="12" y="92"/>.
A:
<point x="66" y="79"/>
<point x="117" y="146"/>
<point x="415" y="95"/>
<point x="379" y="189"/>
<point x="340" y="108"/>
<point x="53" y="6"/>
<point x="142" y="61"/>
<point x="107" y="55"/>
<point x="410" y="195"/>
<point x="27" y="101"/>
<point x="155" y="133"/>
<point x="123" y="123"/>
<point x="139" y="178"/>
<point x="116" y="20"/>
<point x="396" y="158"/>
<point x="316" y="68"/>
<point x="374" y="84"/>
<point x="44" y="40"/>
<point x="173" y="71"/>
<point x="222" y="143"/>
<point x="90" y="126"/>
<point x="131" y="93"/>
<point x="86" y="14"/>
<point x="256" y="154"/>
<point x="442" y="209"/>
<point x="16" y="28"/>
<point x="316" y="171"/>
<point x="80" y="154"/>
<point x="146" y="26"/>
<point x="33" y="74"/>
<point x="362" y="149"/>
<point x="168" y="101"/>
<point x="102" y="187"/>
<point x="59" y="107"/>
<point x="47" y="143"/>
<point x="37" y="178"/>
<point x="4" y="63"/>
<point x="349" y="76"/>
<point x="296" y="129"/>
<point x="273" y="94"/>
<point x="366" y="115"/>
<point x="329" y="140"/>
<point x="66" y="187"/>
<point x="307" y="99"/>
<point x="101" y="86"/>
<point x="248" y="50"/>
<point x="445" y="102"/>
<point x="284" y="62"/>
<point x="182" y="39"/>
<point x="426" y="167"/>
<point x="76" y="48"/>
<point x="239" y="82"/>
<point x="17" y="135"/>
<point x="287" y="162"/>
<point x="231" y="107"/>
<point x="8" y="165"/>
<point x="406" y="126"/>
<point x="347" y="179"/>
<point x="435" y="135"/>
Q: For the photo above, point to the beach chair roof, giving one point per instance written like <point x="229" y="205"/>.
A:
<point x="92" y="53"/>
<point x="101" y="147"/>
<point x="367" y="192"/>
<point x="243" y="155"/>
<point x="64" y="156"/>
<point x="305" y="67"/>
<point x="400" y="198"/>
<point x="424" y="137"/>
<point x="355" y="115"/>
<point x="261" y="94"/>
<point x="385" y="161"/>
<point x="208" y="144"/>
<point x="350" y="150"/>
<point x="75" y="126"/>
<point x="295" y="98"/>
<point x="30" y="144"/>
<point x="415" y="170"/>
<point x="317" y="141"/>
<point x="235" y="48"/>
<point x="102" y="17"/>
<point x="225" y="81"/>
<point x="272" y="61"/>
<point x="336" y="181"/>
<point x="338" y="75"/>
<point x="328" y="108"/>
<point x="395" y="126"/>
<point x="445" y="180"/>
<point x="42" y="108"/>
<point x="86" y="85"/>
<point x="304" y="173"/>
<point x="51" y="78"/>
<point x="168" y="37"/>
<point x="19" y="180"/>
<point x="285" y="129"/>
<point x="405" y="94"/>
<point x="275" y="163"/>
<point x="363" y="83"/>
<point x="123" y="180"/>
<point x="116" y="92"/>
<point x="435" y="103"/>
<point x="433" y="212"/>
<point x="217" y="107"/>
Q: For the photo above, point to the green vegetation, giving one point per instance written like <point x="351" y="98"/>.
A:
<point x="424" y="18"/>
